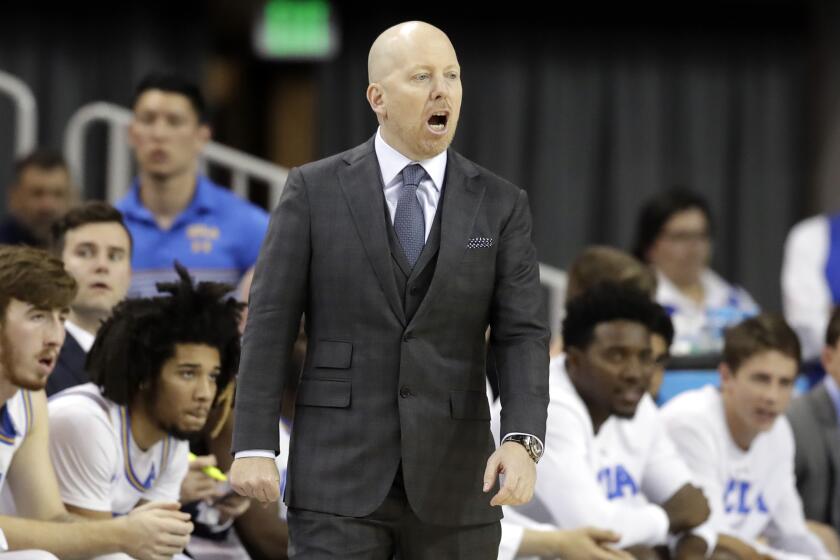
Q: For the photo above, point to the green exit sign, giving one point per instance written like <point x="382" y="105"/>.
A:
<point x="296" y="29"/>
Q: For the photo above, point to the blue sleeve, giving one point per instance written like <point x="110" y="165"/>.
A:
<point x="251" y="231"/>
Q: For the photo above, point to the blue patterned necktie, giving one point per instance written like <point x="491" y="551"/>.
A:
<point x="409" y="223"/>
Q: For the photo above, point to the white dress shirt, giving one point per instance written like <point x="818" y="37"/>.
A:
<point x="391" y="164"/>
<point x="84" y="338"/>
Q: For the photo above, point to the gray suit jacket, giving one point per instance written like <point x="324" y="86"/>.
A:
<point x="817" y="436"/>
<point x="382" y="387"/>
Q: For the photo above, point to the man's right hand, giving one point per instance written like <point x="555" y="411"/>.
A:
<point x="686" y="509"/>
<point x="157" y="531"/>
<point x="197" y="485"/>
<point x="255" y="477"/>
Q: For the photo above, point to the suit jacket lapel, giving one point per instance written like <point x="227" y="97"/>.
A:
<point x="462" y="196"/>
<point x="361" y="181"/>
<point x="72" y="357"/>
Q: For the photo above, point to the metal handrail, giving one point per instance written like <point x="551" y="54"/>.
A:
<point x="242" y="166"/>
<point x="556" y="281"/>
<point x="26" y="114"/>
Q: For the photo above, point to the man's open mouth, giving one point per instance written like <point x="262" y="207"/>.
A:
<point x="437" y="122"/>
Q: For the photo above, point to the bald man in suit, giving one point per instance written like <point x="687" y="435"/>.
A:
<point x="400" y="253"/>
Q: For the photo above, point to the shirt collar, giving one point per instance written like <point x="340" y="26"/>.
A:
<point x="202" y="200"/>
<point x="391" y="163"/>
<point x="834" y="392"/>
<point x="84" y="338"/>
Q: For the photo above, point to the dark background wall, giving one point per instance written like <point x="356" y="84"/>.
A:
<point x="590" y="111"/>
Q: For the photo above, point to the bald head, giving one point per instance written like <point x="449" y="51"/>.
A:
<point x="415" y="89"/>
<point x="389" y="50"/>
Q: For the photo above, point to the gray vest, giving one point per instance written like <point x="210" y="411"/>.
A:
<point x="412" y="284"/>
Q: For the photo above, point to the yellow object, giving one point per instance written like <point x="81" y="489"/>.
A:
<point x="212" y="472"/>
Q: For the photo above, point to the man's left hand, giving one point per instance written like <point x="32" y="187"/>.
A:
<point x="512" y="460"/>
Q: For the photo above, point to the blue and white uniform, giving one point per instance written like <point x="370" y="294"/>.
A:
<point x="811" y="279"/>
<point x="752" y="493"/>
<point x="698" y="328"/>
<point x="99" y="465"/>
<point x="15" y="423"/>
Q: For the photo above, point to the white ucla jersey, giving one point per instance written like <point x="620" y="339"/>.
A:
<point x="752" y="493"/>
<point x="584" y="480"/>
<point x="15" y="422"/>
<point x="98" y="464"/>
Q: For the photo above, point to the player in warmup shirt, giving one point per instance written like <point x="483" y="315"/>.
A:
<point x="35" y="292"/>
<point x="624" y="475"/>
<point x="739" y="444"/>
<point x="156" y="367"/>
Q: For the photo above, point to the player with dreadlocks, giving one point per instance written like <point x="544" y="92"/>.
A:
<point x="157" y="367"/>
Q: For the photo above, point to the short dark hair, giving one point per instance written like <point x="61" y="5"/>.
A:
<point x="832" y="333"/>
<point x="93" y="212"/>
<point x="173" y="83"/>
<point x="141" y="334"/>
<point x="599" y="263"/>
<point x="658" y="210"/>
<point x="603" y="303"/>
<point x="759" y="334"/>
<point x="662" y="325"/>
<point x="42" y="158"/>
<point x="34" y="276"/>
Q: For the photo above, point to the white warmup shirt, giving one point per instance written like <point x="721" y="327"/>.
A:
<point x="810" y="268"/>
<point x="752" y="493"/>
<point x="698" y="329"/>
<point x="607" y="481"/>
<point x="15" y="421"/>
<point x="98" y="464"/>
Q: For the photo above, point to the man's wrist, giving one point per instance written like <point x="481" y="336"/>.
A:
<point x="116" y="534"/>
<point x="691" y="547"/>
<point x="532" y="444"/>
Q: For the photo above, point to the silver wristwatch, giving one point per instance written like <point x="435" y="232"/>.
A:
<point x="531" y="444"/>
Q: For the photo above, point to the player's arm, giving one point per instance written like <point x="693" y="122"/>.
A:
<point x="155" y="533"/>
<point x="585" y="543"/>
<point x="570" y="491"/>
<point x="31" y="477"/>
<point x="85" y="459"/>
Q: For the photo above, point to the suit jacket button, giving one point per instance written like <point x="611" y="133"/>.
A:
<point x="415" y="290"/>
<point x="407" y="337"/>
<point x="405" y="392"/>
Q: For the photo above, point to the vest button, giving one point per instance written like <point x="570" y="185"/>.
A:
<point x="405" y="391"/>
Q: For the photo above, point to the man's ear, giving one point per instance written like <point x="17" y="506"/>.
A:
<point x="826" y="356"/>
<point x="574" y="359"/>
<point x="726" y="373"/>
<point x="202" y="135"/>
<point x="132" y="133"/>
<point x="376" y="99"/>
<point x="13" y="196"/>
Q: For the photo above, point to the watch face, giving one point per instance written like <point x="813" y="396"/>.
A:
<point x="536" y="447"/>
